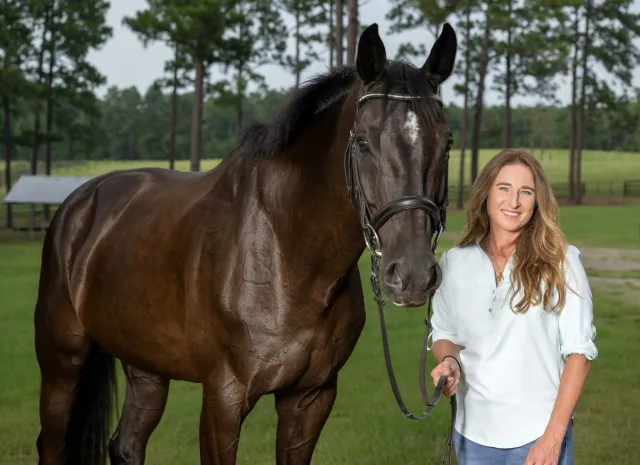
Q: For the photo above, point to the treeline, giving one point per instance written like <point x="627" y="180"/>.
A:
<point x="132" y="126"/>
<point x="201" y="105"/>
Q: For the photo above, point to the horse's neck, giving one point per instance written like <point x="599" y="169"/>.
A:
<point x="314" y="196"/>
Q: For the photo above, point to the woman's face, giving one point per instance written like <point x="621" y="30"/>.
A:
<point x="512" y="198"/>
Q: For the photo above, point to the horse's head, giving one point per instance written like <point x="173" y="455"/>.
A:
<point x="397" y="162"/>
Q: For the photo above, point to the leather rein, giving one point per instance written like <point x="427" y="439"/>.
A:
<point x="371" y="224"/>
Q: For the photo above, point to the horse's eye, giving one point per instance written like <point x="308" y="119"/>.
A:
<point x="363" y="145"/>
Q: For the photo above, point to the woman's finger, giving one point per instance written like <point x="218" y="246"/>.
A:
<point x="450" y="389"/>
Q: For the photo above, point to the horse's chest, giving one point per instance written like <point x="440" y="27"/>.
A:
<point x="310" y="357"/>
<point x="324" y="347"/>
<point x="297" y="332"/>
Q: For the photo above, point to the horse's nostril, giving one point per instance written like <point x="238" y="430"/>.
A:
<point x="392" y="277"/>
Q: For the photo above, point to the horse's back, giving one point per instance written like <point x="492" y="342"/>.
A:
<point x="144" y="201"/>
<point x="114" y="205"/>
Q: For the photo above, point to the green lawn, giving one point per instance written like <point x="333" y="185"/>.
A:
<point x="366" y="426"/>
<point x="603" y="174"/>
<point x="596" y="226"/>
<point x="94" y="168"/>
<point x="97" y="167"/>
<point x="597" y="166"/>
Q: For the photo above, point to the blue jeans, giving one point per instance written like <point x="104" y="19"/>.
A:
<point x="472" y="453"/>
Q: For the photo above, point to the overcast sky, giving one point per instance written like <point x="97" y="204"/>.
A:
<point x="125" y="62"/>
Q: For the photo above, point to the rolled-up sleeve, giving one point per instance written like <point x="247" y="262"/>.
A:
<point x="577" y="331"/>
<point x="443" y="319"/>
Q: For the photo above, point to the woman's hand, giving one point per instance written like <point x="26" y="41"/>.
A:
<point x="545" y="451"/>
<point x="449" y="368"/>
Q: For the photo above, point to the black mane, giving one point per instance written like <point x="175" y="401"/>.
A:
<point x="268" y="140"/>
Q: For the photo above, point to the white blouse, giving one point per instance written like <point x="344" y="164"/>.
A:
<point x="511" y="363"/>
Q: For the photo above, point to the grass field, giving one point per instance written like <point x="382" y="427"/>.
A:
<point x="366" y="426"/>
<point x="597" y="166"/>
<point x="603" y="174"/>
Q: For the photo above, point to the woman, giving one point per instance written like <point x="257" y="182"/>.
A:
<point x="514" y="310"/>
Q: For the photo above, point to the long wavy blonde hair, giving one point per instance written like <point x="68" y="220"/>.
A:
<point x="541" y="246"/>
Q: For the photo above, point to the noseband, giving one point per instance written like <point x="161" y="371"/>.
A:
<point x="371" y="224"/>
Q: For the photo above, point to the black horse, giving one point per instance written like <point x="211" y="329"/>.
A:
<point x="243" y="278"/>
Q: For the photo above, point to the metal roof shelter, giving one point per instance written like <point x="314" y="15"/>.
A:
<point x="32" y="190"/>
<point x="40" y="189"/>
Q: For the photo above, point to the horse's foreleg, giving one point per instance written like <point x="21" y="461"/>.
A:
<point x="301" y="417"/>
<point x="144" y="404"/>
<point x="224" y="408"/>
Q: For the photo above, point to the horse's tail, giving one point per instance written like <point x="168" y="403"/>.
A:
<point x="87" y="437"/>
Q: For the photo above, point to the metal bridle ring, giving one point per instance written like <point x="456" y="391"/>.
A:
<point x="376" y="239"/>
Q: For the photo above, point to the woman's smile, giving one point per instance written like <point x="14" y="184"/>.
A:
<point x="511" y="213"/>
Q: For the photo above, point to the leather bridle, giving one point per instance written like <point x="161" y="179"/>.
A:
<point x="371" y="224"/>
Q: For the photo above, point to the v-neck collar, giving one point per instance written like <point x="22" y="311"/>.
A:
<point x="506" y="273"/>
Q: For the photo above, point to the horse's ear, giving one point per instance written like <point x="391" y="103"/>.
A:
<point x="442" y="57"/>
<point x="372" y="55"/>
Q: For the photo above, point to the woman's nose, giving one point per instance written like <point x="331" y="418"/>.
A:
<point x="515" y="200"/>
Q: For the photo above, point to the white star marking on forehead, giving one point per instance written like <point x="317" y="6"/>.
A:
<point x="411" y="127"/>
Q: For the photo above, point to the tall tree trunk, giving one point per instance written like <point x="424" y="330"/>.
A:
<point x="40" y="78"/>
<point x="239" y="101"/>
<point x="132" y="142"/>
<point x="573" y="122"/>
<point x="352" y="32"/>
<point x="297" y="39"/>
<point x="475" y="141"/>
<point x="196" y="115"/>
<point x="583" y="103"/>
<point x="239" y="117"/>
<point x="465" y="114"/>
<point x="7" y="157"/>
<point x="49" y="123"/>
<point x="35" y="144"/>
<point x="332" y="39"/>
<point x="339" y="33"/>
<point x="174" y="114"/>
<point x="50" y="100"/>
<point x="71" y="150"/>
<point x="506" y="136"/>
